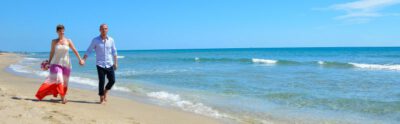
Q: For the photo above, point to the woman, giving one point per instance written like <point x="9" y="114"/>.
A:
<point x="60" y="67"/>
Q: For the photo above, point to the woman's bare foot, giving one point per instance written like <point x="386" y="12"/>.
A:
<point x="64" y="100"/>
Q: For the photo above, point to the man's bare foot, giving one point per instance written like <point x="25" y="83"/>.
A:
<point x="105" y="95"/>
<point x="102" y="100"/>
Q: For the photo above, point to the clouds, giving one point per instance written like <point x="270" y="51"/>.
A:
<point x="364" y="10"/>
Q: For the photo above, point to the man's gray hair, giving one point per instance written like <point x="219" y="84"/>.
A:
<point x="101" y="25"/>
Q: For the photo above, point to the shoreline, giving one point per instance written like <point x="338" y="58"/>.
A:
<point x="18" y="104"/>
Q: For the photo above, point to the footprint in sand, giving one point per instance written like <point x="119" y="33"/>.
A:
<point x="133" y="121"/>
<point x="63" y="115"/>
<point x="47" y="117"/>
<point x="18" y="116"/>
<point x="51" y="119"/>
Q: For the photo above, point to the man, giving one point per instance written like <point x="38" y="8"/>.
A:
<point x="106" y="60"/>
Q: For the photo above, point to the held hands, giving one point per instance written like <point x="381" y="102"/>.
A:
<point x="81" y="62"/>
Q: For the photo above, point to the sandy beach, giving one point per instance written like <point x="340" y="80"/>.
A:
<point x="18" y="105"/>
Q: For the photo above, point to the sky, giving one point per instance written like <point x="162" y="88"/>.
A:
<point x="28" y="25"/>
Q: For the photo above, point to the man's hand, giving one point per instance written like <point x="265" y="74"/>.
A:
<point x="115" y="66"/>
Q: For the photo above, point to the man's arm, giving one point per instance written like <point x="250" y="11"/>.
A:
<point x="89" y="50"/>
<point x="115" y="62"/>
<point x="115" y="56"/>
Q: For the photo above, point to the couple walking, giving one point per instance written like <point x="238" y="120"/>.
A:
<point x="60" y="64"/>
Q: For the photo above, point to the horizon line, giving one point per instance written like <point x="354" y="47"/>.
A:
<point x="210" y="48"/>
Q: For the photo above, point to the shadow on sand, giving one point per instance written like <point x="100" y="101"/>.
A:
<point x="53" y="100"/>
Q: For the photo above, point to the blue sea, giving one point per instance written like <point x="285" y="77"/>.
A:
<point x="356" y="85"/>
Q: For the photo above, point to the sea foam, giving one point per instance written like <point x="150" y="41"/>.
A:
<point x="177" y="101"/>
<point x="264" y="61"/>
<point x="376" y="66"/>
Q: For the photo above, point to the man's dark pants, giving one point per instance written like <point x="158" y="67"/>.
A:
<point x="102" y="72"/>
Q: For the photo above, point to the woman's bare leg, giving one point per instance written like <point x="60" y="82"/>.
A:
<point x="63" y="100"/>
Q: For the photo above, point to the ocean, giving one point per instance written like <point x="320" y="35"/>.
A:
<point x="359" y="85"/>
